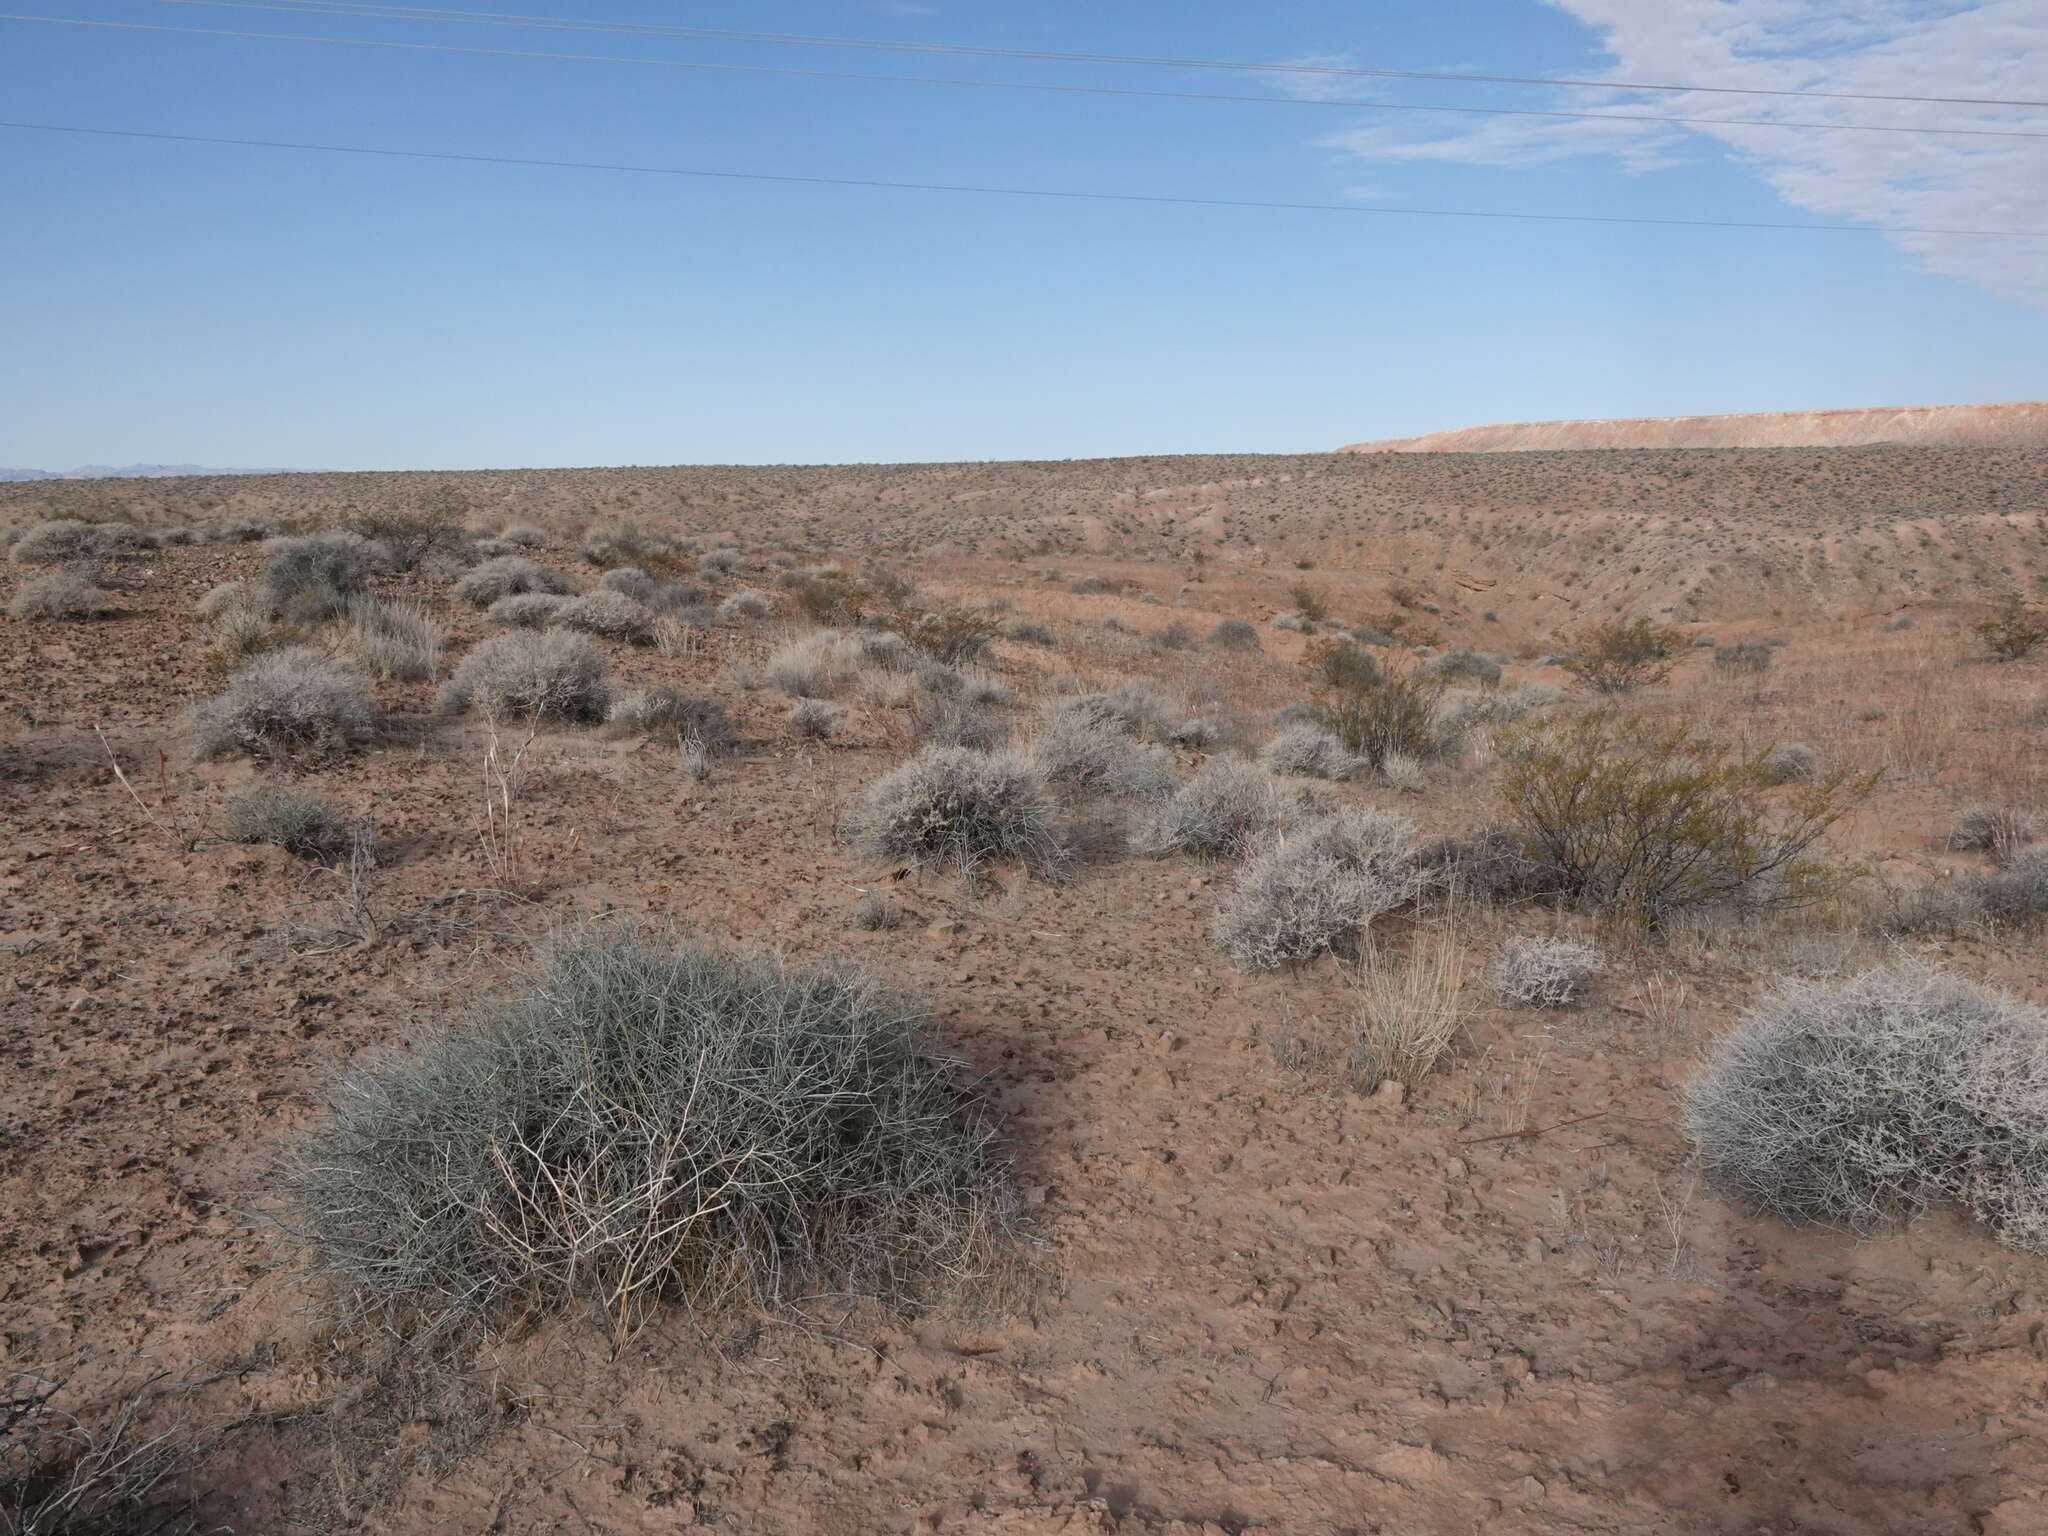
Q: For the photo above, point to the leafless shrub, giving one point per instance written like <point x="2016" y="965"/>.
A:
<point x="608" y="615"/>
<point x="60" y="594"/>
<point x="1992" y="829"/>
<point x="1317" y="888"/>
<point x="288" y="701"/>
<point x="1533" y="972"/>
<point x="1229" y="806"/>
<point x="1092" y="754"/>
<point x="953" y="805"/>
<point x="312" y="577"/>
<point x="243" y="528"/>
<point x="745" y="604"/>
<point x="642" y="1124"/>
<point x="668" y="714"/>
<point x="553" y="675"/>
<point x="871" y="914"/>
<point x="525" y="536"/>
<point x="304" y="825"/>
<point x="1865" y="1103"/>
<point x="1310" y="752"/>
<point x="485" y="584"/>
<point x="812" y="719"/>
<point x="956" y="723"/>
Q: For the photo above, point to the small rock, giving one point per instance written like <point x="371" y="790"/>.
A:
<point x="1391" y="1092"/>
<point x="946" y="928"/>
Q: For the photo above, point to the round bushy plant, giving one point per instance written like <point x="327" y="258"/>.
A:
<point x="287" y="701"/>
<point x="954" y="805"/>
<point x="520" y="675"/>
<point x="643" y="1123"/>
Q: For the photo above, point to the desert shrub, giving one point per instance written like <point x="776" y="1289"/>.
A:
<point x="2018" y="891"/>
<point x="1531" y="972"/>
<point x="871" y="914"/>
<point x="719" y="562"/>
<point x="1642" y="820"/>
<point x="745" y="604"/>
<point x="1316" y="888"/>
<point x="608" y="615"/>
<point x="1134" y="707"/>
<point x="1093" y="586"/>
<point x="956" y="723"/>
<point x="396" y="639"/>
<point x="1862" y="1103"/>
<point x="302" y="824"/>
<point x="1613" y="656"/>
<point x="483" y="585"/>
<point x="1372" y="634"/>
<point x="411" y="536"/>
<point x="1195" y="734"/>
<point x="980" y="688"/>
<point x="830" y="595"/>
<point x="2016" y="630"/>
<point x="1092" y="753"/>
<point x="62" y="541"/>
<point x="816" y="665"/>
<point x="1375" y="711"/>
<point x="1309" y="601"/>
<point x="1469" y="665"/>
<point x="287" y="701"/>
<point x="311" y="578"/>
<point x="1235" y="635"/>
<point x="812" y="719"/>
<point x="1175" y="637"/>
<point x="1030" y="632"/>
<point x="641" y="1124"/>
<point x="59" y="594"/>
<point x="1225" y="808"/>
<point x="224" y="598"/>
<point x="626" y="544"/>
<point x="1991" y="829"/>
<point x="553" y="675"/>
<point x="948" y="634"/>
<point x="1751" y="656"/>
<point x="525" y="610"/>
<point x="656" y="593"/>
<point x="669" y="714"/>
<point x="62" y="1474"/>
<point x="937" y="679"/>
<point x="953" y="805"/>
<point x="525" y="536"/>
<point x="243" y="528"/>
<point x="1310" y="752"/>
<point x="1789" y="763"/>
<point x="1490" y="865"/>
<point x="1292" y="621"/>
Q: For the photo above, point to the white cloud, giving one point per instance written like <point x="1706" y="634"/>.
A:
<point x="1998" y="48"/>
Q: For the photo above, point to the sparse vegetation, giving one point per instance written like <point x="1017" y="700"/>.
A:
<point x="551" y="676"/>
<point x="608" y="615"/>
<point x="1316" y="888"/>
<point x="59" y="594"/>
<point x="287" y="702"/>
<point x="505" y="576"/>
<point x="1534" y="972"/>
<point x="1226" y="808"/>
<point x="1613" y="656"/>
<point x="955" y="806"/>
<point x="2015" y="631"/>
<point x="302" y="824"/>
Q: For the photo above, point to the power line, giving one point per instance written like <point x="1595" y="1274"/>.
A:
<point x="1033" y="192"/>
<point x="1003" y="85"/>
<point x="808" y="40"/>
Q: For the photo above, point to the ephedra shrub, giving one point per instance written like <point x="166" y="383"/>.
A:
<point x="643" y="1123"/>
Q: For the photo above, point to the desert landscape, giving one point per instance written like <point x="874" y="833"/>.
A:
<point x="1319" y="993"/>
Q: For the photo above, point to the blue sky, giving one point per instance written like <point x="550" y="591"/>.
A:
<point x="180" y="302"/>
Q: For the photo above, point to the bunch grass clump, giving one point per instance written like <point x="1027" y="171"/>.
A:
<point x="645" y="1123"/>
<point x="395" y="638"/>
<point x="304" y="825"/>
<point x="956" y="806"/>
<point x="1864" y="1103"/>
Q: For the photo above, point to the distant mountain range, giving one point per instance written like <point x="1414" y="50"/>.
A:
<point x="129" y="472"/>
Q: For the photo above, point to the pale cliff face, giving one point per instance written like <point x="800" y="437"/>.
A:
<point x="2018" y="424"/>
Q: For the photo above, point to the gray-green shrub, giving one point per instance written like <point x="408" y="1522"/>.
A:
<point x="957" y="806"/>
<point x="550" y="676"/>
<point x="483" y="585"/>
<point x="1317" y="888"/>
<point x="291" y="701"/>
<point x="302" y="824"/>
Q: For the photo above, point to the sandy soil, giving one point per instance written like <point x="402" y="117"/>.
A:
<point x="1257" y="1300"/>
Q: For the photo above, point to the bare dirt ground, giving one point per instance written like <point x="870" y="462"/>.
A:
<point x="1256" y="1300"/>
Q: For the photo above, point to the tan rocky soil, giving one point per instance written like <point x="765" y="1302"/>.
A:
<point x="1257" y="1300"/>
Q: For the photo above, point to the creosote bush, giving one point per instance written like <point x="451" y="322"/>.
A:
<point x="302" y="824"/>
<point x="1534" y="972"/>
<point x="1317" y="888"/>
<point x="1641" y="820"/>
<point x="1377" y="712"/>
<point x="551" y="676"/>
<point x="1863" y="1103"/>
<point x="2016" y="630"/>
<point x="645" y="1123"/>
<point x="1614" y="656"/>
<point x="949" y="635"/>
<point x="291" y="701"/>
<point x="957" y="806"/>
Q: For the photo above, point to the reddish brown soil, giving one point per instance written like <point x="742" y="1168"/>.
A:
<point x="1260" y="1301"/>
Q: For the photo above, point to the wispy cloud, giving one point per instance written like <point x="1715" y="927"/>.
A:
<point x="1998" y="48"/>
